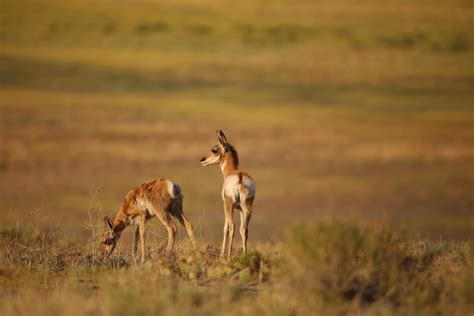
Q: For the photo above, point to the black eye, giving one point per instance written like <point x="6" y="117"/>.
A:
<point x="214" y="151"/>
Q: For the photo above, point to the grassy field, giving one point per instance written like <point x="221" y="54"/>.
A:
<point x="358" y="110"/>
<point x="325" y="268"/>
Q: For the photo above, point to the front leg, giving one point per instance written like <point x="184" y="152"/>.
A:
<point x="224" y="239"/>
<point x="137" y="239"/>
<point x="231" y="237"/>
<point x="141" y="229"/>
<point x="228" y="227"/>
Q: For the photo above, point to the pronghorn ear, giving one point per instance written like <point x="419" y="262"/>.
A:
<point x="108" y="222"/>
<point x="221" y="137"/>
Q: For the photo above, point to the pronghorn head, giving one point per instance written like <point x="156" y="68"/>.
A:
<point x="109" y="237"/>
<point x="217" y="152"/>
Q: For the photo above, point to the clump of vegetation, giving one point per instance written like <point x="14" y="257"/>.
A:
<point x="343" y="267"/>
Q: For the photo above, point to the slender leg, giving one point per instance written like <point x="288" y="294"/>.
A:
<point x="224" y="240"/>
<point x="141" y="229"/>
<point x="244" y="223"/>
<point x="137" y="239"/>
<point x="231" y="238"/>
<point x="228" y="227"/>
<point x="171" y="236"/>
<point x="189" y="227"/>
<point x="177" y="211"/>
<point x="171" y="228"/>
<point x="242" y="232"/>
<point x="189" y="230"/>
<point x="231" y="231"/>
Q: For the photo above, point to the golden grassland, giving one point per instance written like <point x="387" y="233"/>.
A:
<point x="339" y="109"/>
<point x="327" y="267"/>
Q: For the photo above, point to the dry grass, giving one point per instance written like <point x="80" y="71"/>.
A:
<point x="327" y="267"/>
<point x="343" y="108"/>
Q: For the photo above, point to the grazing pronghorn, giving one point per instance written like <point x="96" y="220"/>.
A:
<point x="238" y="190"/>
<point x="161" y="198"/>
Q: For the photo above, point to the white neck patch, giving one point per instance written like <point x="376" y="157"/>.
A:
<point x="223" y="165"/>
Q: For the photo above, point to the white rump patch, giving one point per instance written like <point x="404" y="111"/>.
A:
<point x="238" y="192"/>
<point x="249" y="185"/>
<point x="171" y="189"/>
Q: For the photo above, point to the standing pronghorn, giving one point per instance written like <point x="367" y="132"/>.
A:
<point x="161" y="198"/>
<point x="238" y="190"/>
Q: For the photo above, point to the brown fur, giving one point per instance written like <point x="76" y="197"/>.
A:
<point x="227" y="157"/>
<point x="233" y="156"/>
<point x="160" y="202"/>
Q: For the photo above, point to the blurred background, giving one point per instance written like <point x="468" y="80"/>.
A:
<point x="349" y="109"/>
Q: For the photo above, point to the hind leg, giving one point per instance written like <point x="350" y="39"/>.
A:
<point x="170" y="227"/>
<point x="245" y="215"/>
<point x="177" y="211"/>
<point x="189" y="228"/>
